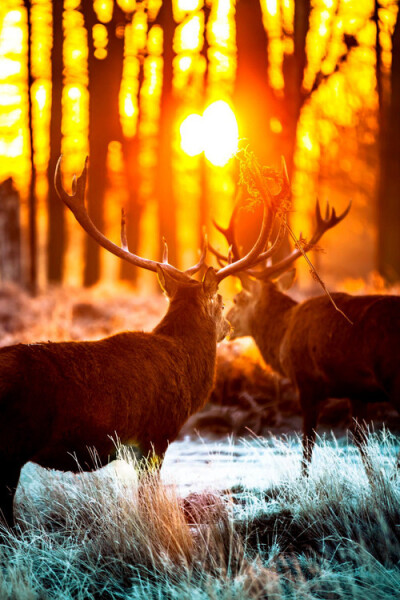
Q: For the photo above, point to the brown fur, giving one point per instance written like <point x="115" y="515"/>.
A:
<point x="321" y="352"/>
<point x="57" y="400"/>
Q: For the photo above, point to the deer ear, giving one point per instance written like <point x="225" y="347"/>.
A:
<point x="168" y="284"/>
<point x="285" y="281"/>
<point x="210" y="282"/>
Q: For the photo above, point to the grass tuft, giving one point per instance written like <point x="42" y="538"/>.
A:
<point x="113" y="534"/>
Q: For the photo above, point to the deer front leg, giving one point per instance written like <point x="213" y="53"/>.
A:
<point x="310" y="398"/>
<point x="152" y="456"/>
<point x="8" y="484"/>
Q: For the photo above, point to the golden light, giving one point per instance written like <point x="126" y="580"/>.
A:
<point x="104" y="10"/>
<point x="189" y="5"/>
<point x="275" y="125"/>
<point x="306" y="142"/>
<point x="221" y="133"/>
<point x="74" y="93"/>
<point x="188" y="36"/>
<point x="127" y="5"/>
<point x="40" y="96"/>
<point x="100" y="40"/>
<point x="129" y="108"/>
<point x="272" y="7"/>
<point x="215" y="133"/>
<point x="192" y="135"/>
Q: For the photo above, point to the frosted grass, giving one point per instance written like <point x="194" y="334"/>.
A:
<point x="187" y="534"/>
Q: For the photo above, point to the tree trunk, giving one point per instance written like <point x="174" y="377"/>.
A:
<point x="293" y="69"/>
<point x="164" y="184"/>
<point x="253" y="97"/>
<point x="56" y="234"/>
<point x="389" y="184"/>
<point x="32" y="282"/>
<point x="104" y="81"/>
<point x="10" y="233"/>
<point x="254" y="100"/>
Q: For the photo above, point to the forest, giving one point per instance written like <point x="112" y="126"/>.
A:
<point x="241" y="439"/>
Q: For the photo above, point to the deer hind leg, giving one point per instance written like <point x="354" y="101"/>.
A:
<point x="8" y="484"/>
<point x="310" y="398"/>
<point x="360" y="431"/>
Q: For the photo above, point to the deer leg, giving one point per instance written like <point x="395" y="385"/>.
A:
<point x="309" y="425"/>
<point x="152" y="456"/>
<point x="8" y="484"/>
<point x="310" y="398"/>
<point x="360" y="432"/>
<point x="56" y="456"/>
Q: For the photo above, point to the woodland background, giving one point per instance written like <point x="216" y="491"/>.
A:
<point x="317" y="82"/>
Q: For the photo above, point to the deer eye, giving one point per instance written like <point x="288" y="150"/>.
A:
<point x="234" y="300"/>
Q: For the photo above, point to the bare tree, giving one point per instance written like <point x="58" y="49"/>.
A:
<point x="164" y="184"/>
<point x="389" y="151"/>
<point x="104" y="81"/>
<point x="32" y="185"/>
<point x="56" y="234"/>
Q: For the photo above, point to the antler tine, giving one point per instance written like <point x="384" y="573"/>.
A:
<point x="75" y="202"/>
<point x="330" y="220"/>
<point x="264" y="256"/>
<point x="202" y="259"/>
<point x="328" y="211"/>
<point x="228" y="232"/>
<point x="165" y="251"/>
<point x="218" y="255"/>
<point x="247" y="261"/>
<point x="323" y="225"/>
<point x="271" y="206"/>
<point x="223" y="230"/>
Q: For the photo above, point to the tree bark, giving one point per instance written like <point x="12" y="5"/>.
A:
<point x="254" y="100"/>
<point x="389" y="184"/>
<point x="164" y="183"/>
<point x="56" y="233"/>
<point x="293" y="69"/>
<point x="32" y="281"/>
<point x="104" y="126"/>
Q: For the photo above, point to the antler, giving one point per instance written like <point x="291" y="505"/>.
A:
<point x="255" y="177"/>
<point x="76" y="203"/>
<point x="323" y="225"/>
<point x="241" y="264"/>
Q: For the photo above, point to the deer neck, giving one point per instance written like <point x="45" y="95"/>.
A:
<point x="271" y="315"/>
<point x="194" y="333"/>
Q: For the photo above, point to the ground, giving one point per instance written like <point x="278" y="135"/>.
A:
<point x="230" y="516"/>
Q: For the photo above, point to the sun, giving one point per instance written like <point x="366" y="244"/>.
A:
<point x="215" y="133"/>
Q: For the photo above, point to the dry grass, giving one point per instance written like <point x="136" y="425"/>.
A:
<point x="107" y="535"/>
<point x="103" y="535"/>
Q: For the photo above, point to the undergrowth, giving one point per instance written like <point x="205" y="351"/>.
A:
<point x="112" y="534"/>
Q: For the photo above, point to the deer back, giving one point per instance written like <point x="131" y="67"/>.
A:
<point x="320" y="345"/>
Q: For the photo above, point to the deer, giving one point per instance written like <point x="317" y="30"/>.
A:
<point x="352" y="352"/>
<point x="59" y="400"/>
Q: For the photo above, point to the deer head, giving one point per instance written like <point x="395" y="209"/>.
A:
<point x="177" y="285"/>
<point x="263" y="283"/>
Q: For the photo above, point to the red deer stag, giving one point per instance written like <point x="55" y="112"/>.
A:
<point x="313" y="344"/>
<point x="57" y="400"/>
